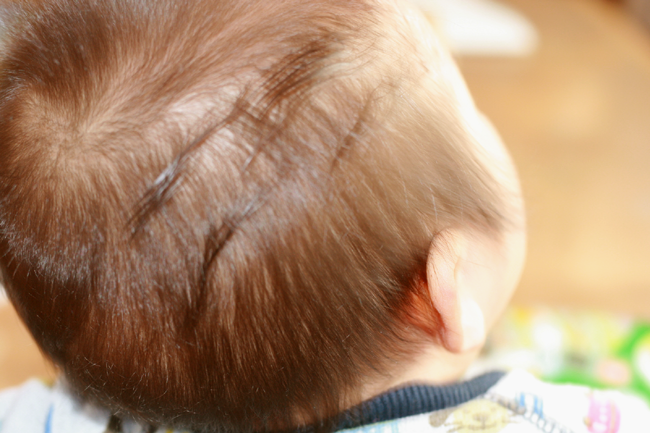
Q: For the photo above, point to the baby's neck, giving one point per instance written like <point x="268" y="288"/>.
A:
<point x="434" y="366"/>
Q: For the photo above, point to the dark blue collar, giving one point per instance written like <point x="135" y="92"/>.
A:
<point x="415" y="400"/>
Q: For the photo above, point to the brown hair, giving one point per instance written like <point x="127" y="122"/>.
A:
<point x="215" y="214"/>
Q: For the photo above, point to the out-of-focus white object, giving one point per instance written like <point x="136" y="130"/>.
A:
<point x="481" y="27"/>
<point x="3" y="296"/>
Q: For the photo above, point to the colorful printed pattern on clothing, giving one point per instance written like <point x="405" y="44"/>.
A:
<point x="519" y="403"/>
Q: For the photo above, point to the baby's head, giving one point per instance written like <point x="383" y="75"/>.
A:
<point x="248" y="215"/>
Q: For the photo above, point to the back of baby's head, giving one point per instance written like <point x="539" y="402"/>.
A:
<point x="216" y="214"/>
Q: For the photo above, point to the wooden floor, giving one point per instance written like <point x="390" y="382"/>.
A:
<point x="19" y="356"/>
<point x="576" y="116"/>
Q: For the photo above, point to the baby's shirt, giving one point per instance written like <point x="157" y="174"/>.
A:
<point x="513" y="403"/>
<point x="520" y="403"/>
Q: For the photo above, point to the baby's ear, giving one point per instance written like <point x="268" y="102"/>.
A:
<point x="462" y="320"/>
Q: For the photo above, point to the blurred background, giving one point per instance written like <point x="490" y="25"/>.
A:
<point x="567" y="83"/>
<point x="575" y="112"/>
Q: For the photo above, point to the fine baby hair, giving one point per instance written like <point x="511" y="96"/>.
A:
<point x="217" y="214"/>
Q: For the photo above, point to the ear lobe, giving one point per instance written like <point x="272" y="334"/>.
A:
<point x="463" y="323"/>
<point x="472" y="324"/>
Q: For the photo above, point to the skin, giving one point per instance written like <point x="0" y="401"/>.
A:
<point x="471" y="275"/>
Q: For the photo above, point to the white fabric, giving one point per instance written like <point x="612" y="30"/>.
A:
<point x="35" y="407"/>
